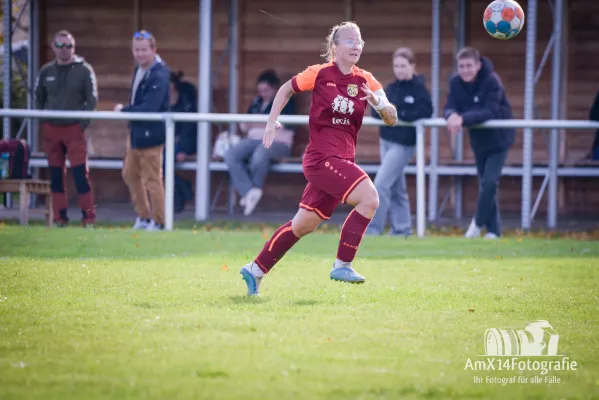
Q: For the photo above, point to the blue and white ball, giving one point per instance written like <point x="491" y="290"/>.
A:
<point x="503" y="19"/>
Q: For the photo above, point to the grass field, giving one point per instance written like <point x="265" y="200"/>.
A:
<point x="109" y="313"/>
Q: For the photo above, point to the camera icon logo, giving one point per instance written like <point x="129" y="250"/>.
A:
<point x="538" y="338"/>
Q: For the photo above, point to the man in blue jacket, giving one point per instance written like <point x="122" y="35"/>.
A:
<point x="476" y="95"/>
<point x="142" y="169"/>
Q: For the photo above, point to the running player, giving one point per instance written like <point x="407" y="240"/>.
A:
<point x="340" y="93"/>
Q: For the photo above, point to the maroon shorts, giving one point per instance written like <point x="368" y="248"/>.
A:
<point x="330" y="182"/>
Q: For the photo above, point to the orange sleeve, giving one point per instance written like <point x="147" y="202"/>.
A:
<point x="305" y="80"/>
<point x="373" y="84"/>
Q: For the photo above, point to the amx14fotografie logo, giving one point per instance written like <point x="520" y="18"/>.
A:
<point x="534" y="349"/>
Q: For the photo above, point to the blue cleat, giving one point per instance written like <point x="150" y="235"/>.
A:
<point x="346" y="274"/>
<point x="252" y="282"/>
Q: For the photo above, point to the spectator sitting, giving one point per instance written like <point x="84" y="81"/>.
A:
<point x="249" y="181"/>
<point x="183" y="99"/>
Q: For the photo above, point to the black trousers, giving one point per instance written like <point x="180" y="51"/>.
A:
<point x="488" y="167"/>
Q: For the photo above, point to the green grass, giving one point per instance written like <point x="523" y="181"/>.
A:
<point x="111" y="314"/>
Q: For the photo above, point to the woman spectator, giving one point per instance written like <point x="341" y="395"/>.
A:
<point x="412" y="100"/>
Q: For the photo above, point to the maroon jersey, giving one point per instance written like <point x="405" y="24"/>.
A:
<point x="336" y="112"/>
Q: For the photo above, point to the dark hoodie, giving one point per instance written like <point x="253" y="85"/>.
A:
<point x="413" y="102"/>
<point x="186" y="132"/>
<point x="479" y="101"/>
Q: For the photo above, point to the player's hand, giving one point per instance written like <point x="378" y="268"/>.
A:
<point x="370" y="96"/>
<point x="118" y="107"/>
<point x="270" y="132"/>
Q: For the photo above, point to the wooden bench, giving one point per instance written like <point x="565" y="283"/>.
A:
<point x="25" y="187"/>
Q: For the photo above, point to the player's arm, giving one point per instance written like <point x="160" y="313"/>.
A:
<point x="377" y="98"/>
<point x="385" y="109"/>
<point x="284" y="94"/>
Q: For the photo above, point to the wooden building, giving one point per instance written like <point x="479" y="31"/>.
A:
<point x="288" y="36"/>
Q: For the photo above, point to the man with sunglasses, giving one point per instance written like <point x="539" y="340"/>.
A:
<point x="67" y="83"/>
<point x="142" y="169"/>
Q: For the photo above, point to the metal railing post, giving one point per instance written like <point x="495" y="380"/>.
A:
<point x="420" y="182"/>
<point x="169" y="174"/>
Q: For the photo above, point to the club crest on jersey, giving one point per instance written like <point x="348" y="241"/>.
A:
<point x="352" y="89"/>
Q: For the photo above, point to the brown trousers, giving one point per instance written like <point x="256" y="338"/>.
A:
<point x="142" y="172"/>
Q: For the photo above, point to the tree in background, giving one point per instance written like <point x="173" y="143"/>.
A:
<point x="19" y="70"/>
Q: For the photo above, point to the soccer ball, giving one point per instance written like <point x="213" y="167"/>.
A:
<point x="503" y="19"/>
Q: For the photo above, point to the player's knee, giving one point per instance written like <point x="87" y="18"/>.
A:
<point x="301" y="230"/>
<point x="305" y="222"/>
<point x="81" y="179"/>
<point x="370" y="200"/>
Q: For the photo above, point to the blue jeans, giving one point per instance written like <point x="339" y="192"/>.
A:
<point x="390" y="183"/>
<point x="258" y="159"/>
<point x="488" y="167"/>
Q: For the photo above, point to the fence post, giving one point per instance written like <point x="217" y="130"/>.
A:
<point x="529" y="98"/>
<point x="420" y="181"/>
<point x="169" y="173"/>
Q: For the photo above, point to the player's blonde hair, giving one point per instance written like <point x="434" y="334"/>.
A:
<point x="328" y="52"/>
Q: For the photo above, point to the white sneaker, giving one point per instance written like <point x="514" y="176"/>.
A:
<point x="473" y="231"/>
<point x="251" y="200"/>
<point x="141" y="223"/>
<point x="153" y="226"/>
<point x="491" y="236"/>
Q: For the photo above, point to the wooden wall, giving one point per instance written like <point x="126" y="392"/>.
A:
<point x="288" y="36"/>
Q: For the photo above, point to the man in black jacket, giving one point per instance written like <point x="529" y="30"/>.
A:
<point x="67" y="83"/>
<point x="476" y="95"/>
<point x="142" y="169"/>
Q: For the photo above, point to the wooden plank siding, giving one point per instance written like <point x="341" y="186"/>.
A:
<point x="289" y="36"/>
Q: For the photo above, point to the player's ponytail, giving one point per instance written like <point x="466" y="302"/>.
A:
<point x="328" y="51"/>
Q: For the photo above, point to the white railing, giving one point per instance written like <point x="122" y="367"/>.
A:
<point x="203" y="156"/>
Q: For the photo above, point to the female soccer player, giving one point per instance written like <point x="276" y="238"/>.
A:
<point x="340" y="93"/>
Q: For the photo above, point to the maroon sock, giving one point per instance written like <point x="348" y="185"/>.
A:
<point x="282" y="240"/>
<point x="352" y="233"/>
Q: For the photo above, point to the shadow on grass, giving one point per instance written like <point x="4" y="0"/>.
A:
<point x="244" y="299"/>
